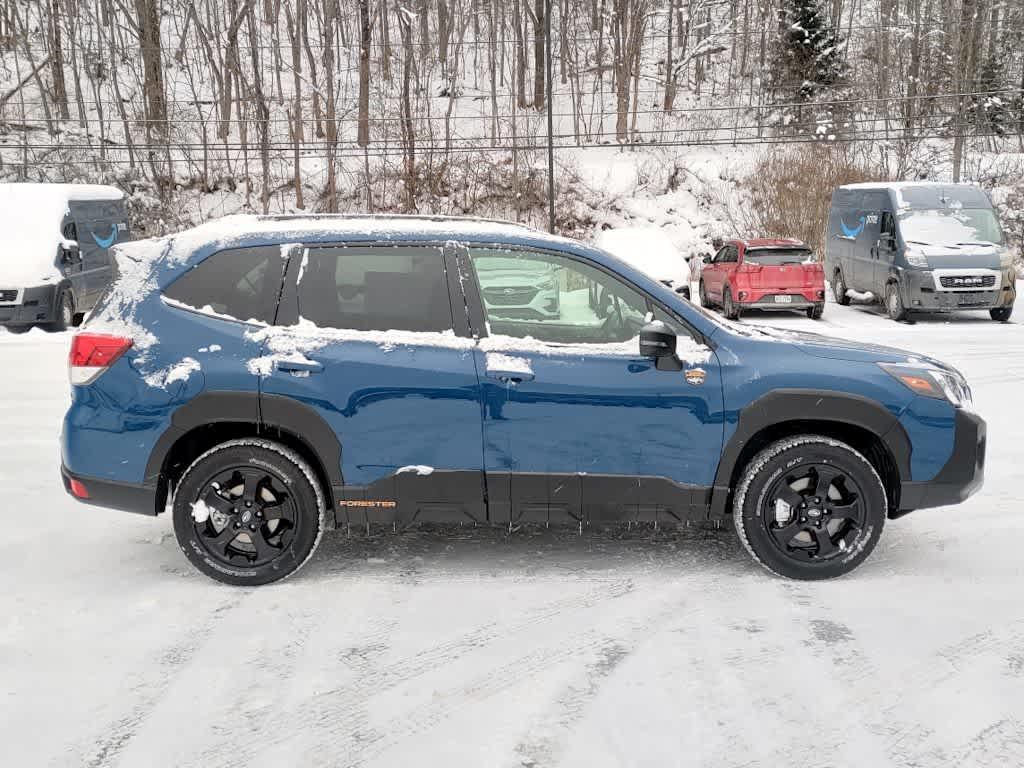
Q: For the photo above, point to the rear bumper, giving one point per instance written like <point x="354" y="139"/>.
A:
<point x="126" y="497"/>
<point x="962" y="475"/>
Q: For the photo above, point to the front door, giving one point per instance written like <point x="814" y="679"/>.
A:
<point x="577" y="426"/>
<point x="372" y="347"/>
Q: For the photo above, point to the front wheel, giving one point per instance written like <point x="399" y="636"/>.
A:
<point x="702" y="295"/>
<point x="65" y="317"/>
<point x="810" y="507"/>
<point x="1001" y="314"/>
<point x="248" y="512"/>
<point x="893" y="303"/>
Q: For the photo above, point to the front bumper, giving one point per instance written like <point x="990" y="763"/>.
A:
<point x="962" y="475"/>
<point x="924" y="293"/>
<point x="127" y="497"/>
<point x="32" y="305"/>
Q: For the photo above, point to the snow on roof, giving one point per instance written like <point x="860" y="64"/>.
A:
<point x="647" y="249"/>
<point x="904" y="184"/>
<point x="31" y="216"/>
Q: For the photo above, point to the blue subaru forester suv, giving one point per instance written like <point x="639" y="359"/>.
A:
<point x="266" y="378"/>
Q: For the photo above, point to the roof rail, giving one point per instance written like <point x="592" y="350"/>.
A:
<point x="392" y="216"/>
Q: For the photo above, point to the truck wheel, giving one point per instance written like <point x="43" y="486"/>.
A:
<point x="730" y="310"/>
<point x="809" y="507"/>
<point x="702" y="295"/>
<point x="816" y="311"/>
<point x="1001" y="314"/>
<point x="839" y="289"/>
<point x="248" y="512"/>
<point x="893" y="302"/>
<point x="65" y="316"/>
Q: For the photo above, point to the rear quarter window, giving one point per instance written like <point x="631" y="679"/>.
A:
<point x="242" y="283"/>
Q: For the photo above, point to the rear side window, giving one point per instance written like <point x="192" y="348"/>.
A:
<point x="243" y="283"/>
<point x="375" y="289"/>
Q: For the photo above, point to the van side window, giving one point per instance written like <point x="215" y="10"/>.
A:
<point x="875" y="201"/>
<point x="70" y="231"/>
<point x="242" y="283"/>
<point x="375" y="289"/>
<point x="888" y="224"/>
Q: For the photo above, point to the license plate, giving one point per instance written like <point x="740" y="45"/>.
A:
<point x="784" y="299"/>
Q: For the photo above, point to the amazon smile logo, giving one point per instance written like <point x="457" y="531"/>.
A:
<point x="851" y="231"/>
<point x="106" y="242"/>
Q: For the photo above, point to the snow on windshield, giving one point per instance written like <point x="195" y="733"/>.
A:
<point x="951" y="226"/>
<point x="647" y="249"/>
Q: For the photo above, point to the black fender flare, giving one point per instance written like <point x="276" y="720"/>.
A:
<point x="262" y="411"/>
<point x="809" y="405"/>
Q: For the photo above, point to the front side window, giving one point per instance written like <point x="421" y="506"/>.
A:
<point x="241" y="283"/>
<point x="375" y="289"/>
<point x="555" y="299"/>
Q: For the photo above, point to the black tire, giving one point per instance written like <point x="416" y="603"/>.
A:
<point x="65" y="313"/>
<point x="1001" y="314"/>
<point x="18" y="328"/>
<point x="702" y="295"/>
<point x="839" y="289"/>
<point x="894" y="303"/>
<point x="276" y="496"/>
<point x="816" y="311"/>
<point x="729" y="309"/>
<point x="833" y="532"/>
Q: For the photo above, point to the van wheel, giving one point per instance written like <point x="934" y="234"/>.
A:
<point x="18" y="328"/>
<point x="1001" y="314"/>
<point x="730" y="310"/>
<point x="839" y="289"/>
<point x="248" y="512"/>
<point x="893" y="302"/>
<point x="810" y="507"/>
<point x="65" y="317"/>
<point x="702" y="295"/>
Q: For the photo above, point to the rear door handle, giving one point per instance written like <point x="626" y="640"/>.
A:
<point x="514" y="377"/>
<point x="299" y="366"/>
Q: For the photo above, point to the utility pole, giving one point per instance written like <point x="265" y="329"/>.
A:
<point x="551" y="119"/>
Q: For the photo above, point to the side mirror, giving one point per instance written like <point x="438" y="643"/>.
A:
<point x="887" y="241"/>
<point x="705" y="259"/>
<point x="658" y="343"/>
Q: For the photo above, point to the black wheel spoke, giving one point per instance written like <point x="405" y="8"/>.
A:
<point x="852" y="510"/>
<point x="220" y="540"/>
<point x="825" y="476"/>
<point x="824" y="541"/>
<point x="216" y="502"/>
<point x="785" y="534"/>
<point x="788" y="495"/>
<point x="264" y="549"/>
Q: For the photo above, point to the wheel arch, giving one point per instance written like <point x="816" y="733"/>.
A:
<point x="860" y="422"/>
<point x="216" y="417"/>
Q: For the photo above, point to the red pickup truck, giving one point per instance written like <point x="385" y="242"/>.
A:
<point x="763" y="274"/>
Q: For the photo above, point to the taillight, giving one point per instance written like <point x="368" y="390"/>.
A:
<point x="92" y="353"/>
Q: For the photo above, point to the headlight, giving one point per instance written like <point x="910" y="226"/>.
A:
<point x="915" y="258"/>
<point x="929" y="381"/>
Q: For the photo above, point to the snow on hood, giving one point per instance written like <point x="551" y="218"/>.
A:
<point x="647" y="249"/>
<point x="833" y="348"/>
<point x="31" y="216"/>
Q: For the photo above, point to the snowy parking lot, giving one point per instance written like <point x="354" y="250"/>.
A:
<point x="639" y="648"/>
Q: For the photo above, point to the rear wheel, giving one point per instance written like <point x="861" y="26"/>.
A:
<point x="816" y="311"/>
<point x="893" y="302"/>
<point x="248" y="512"/>
<point x="1001" y="314"/>
<point x="18" y="328"/>
<point x="810" y="507"/>
<point x="839" y="289"/>
<point x="729" y="309"/>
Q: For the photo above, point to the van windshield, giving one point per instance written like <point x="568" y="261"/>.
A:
<point x="951" y="226"/>
<point x="777" y="256"/>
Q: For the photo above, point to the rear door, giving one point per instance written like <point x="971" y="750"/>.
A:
<point x="577" y="426"/>
<point x="372" y="344"/>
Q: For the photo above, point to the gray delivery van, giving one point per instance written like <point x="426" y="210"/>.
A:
<point x="919" y="246"/>
<point x="55" y="259"/>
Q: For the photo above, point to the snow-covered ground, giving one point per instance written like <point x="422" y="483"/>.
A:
<point x="484" y="649"/>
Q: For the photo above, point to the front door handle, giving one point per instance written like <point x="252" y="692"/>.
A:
<point x="299" y="366"/>
<point x="510" y="377"/>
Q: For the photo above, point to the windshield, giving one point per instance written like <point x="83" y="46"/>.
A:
<point x="951" y="226"/>
<point x="777" y="256"/>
